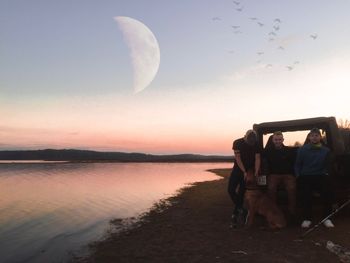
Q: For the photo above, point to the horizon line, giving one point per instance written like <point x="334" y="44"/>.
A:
<point x="133" y="152"/>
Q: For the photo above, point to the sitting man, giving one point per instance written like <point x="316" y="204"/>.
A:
<point x="280" y="160"/>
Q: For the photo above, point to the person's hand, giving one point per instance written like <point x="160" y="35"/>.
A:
<point x="245" y="175"/>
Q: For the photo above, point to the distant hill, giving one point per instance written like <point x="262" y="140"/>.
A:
<point x="94" y="156"/>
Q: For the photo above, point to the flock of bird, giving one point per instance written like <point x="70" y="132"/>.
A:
<point x="271" y="36"/>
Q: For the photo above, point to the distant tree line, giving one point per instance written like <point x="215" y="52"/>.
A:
<point x="85" y="155"/>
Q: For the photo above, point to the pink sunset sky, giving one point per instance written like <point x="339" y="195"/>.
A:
<point x="66" y="78"/>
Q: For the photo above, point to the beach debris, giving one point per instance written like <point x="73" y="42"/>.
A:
<point x="117" y="220"/>
<point x="119" y="225"/>
<point x="234" y="226"/>
<point x="341" y="252"/>
<point x="239" y="252"/>
<point x="298" y="240"/>
<point x="317" y="244"/>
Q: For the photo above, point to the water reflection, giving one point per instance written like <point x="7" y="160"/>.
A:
<point x="48" y="209"/>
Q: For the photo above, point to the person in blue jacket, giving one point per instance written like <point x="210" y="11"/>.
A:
<point x="312" y="171"/>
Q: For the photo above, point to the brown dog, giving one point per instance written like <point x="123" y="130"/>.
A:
<point x="259" y="202"/>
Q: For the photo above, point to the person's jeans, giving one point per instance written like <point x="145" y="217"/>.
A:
<point x="320" y="183"/>
<point x="288" y="182"/>
<point x="236" y="189"/>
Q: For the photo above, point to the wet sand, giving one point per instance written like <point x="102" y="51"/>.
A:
<point x="195" y="227"/>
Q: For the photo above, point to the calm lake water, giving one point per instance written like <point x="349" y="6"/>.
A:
<point x="49" y="210"/>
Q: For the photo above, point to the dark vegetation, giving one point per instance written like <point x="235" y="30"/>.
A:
<point x="84" y="155"/>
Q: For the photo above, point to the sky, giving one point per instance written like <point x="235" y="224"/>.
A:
<point x="66" y="72"/>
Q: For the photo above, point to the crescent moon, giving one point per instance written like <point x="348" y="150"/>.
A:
<point x="144" y="51"/>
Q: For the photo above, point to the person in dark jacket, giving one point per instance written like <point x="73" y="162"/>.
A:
<point x="279" y="160"/>
<point x="247" y="156"/>
<point x="312" y="171"/>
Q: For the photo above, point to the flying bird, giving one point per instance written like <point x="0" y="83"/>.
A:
<point x="277" y="20"/>
<point x="231" y="51"/>
<point x="253" y="18"/>
<point x="238" y="32"/>
<point x="235" y="27"/>
<point x="272" y="33"/>
<point x="236" y="2"/>
<point x="314" y="36"/>
<point x="289" y="68"/>
<point x="271" y="39"/>
<point x="276" y="28"/>
<point x="281" y="48"/>
<point x="260" y="53"/>
<point x="239" y="9"/>
<point x="268" y="66"/>
<point x="296" y="62"/>
<point x="216" y="18"/>
<point x="260" y="24"/>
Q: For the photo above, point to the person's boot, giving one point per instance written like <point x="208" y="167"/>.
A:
<point x="234" y="218"/>
<point x="328" y="223"/>
<point x="306" y="224"/>
<point x="243" y="216"/>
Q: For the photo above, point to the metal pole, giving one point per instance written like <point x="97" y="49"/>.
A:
<point x="329" y="216"/>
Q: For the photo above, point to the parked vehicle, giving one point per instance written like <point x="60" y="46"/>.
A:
<point x="337" y="139"/>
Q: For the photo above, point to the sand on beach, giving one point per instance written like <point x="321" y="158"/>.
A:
<point x="196" y="228"/>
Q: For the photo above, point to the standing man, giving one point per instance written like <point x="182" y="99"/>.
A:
<point x="280" y="160"/>
<point x="247" y="156"/>
<point x="311" y="168"/>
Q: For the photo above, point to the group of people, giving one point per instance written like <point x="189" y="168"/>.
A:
<point x="305" y="169"/>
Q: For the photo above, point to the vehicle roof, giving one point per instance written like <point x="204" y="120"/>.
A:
<point x="295" y="125"/>
<point x="328" y="124"/>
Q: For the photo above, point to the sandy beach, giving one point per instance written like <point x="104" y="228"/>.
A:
<point x="195" y="227"/>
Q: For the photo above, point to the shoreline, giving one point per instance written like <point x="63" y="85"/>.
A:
<point x="194" y="226"/>
<point x="109" y="161"/>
